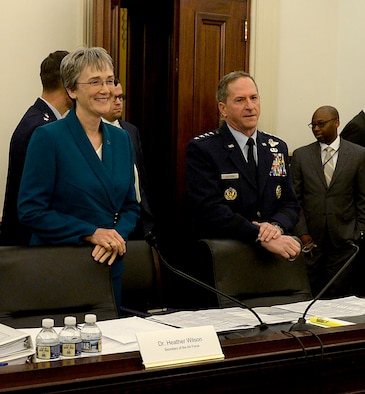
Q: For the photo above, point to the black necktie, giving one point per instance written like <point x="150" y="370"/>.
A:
<point x="250" y="159"/>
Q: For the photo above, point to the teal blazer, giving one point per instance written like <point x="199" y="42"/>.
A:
<point x="67" y="192"/>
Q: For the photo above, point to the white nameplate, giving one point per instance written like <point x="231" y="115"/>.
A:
<point x="234" y="175"/>
<point x="180" y="346"/>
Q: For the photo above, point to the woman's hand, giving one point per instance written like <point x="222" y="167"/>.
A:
<point x="108" y="245"/>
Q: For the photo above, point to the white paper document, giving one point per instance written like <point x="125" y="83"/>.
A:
<point x="336" y="308"/>
<point x="226" y="319"/>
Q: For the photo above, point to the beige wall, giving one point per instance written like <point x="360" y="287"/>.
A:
<point x="29" y="31"/>
<point x="305" y="53"/>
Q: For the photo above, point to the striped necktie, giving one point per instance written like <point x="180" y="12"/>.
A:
<point x="328" y="166"/>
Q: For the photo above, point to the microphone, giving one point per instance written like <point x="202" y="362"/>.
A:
<point x="152" y="241"/>
<point x="301" y="325"/>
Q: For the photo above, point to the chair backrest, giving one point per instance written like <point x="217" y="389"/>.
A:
<point x="253" y="275"/>
<point x="141" y="280"/>
<point x="53" y="281"/>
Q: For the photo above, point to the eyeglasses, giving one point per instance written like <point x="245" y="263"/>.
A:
<point x="121" y="97"/>
<point x="320" y="124"/>
<point x="98" y="83"/>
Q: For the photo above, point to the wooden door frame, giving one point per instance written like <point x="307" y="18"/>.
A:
<point x="104" y="35"/>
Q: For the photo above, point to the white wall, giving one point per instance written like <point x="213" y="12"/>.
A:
<point x="351" y="58"/>
<point x="307" y="54"/>
<point x="29" y="31"/>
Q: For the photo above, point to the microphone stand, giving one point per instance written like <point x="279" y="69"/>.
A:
<point x="301" y="325"/>
<point x="151" y="240"/>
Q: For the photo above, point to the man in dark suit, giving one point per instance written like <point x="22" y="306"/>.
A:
<point x="232" y="194"/>
<point x="331" y="193"/>
<point x="52" y="104"/>
<point x="146" y="222"/>
<point x="354" y="131"/>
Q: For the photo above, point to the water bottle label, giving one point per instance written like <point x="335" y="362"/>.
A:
<point x="47" y="352"/>
<point x="71" y="349"/>
<point x="91" y="346"/>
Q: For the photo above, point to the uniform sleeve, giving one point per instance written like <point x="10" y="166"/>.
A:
<point x="298" y="184"/>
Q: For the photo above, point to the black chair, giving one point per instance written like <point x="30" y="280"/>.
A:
<point x="53" y="281"/>
<point x="141" y="280"/>
<point x="250" y="274"/>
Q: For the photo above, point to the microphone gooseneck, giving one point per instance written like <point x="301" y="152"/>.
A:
<point x="301" y="325"/>
<point x="152" y="241"/>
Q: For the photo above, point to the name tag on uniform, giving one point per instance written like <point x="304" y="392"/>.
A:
<point x="234" y="175"/>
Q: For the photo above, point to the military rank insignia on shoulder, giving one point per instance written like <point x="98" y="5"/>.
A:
<point x="268" y="134"/>
<point x="206" y="135"/>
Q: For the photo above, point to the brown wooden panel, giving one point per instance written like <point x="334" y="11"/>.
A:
<point x="211" y="44"/>
<point x="177" y="50"/>
<point x="209" y="55"/>
<point x="106" y="25"/>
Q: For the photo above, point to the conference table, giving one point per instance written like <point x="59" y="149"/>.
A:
<point x="320" y="360"/>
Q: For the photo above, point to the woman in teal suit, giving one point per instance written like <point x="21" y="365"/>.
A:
<point x="78" y="182"/>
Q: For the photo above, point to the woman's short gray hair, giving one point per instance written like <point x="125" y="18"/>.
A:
<point x="96" y="58"/>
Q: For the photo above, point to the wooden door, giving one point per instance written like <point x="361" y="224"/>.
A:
<point x="106" y="25"/>
<point x="177" y="50"/>
<point x="212" y="41"/>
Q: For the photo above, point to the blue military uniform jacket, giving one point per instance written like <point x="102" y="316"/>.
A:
<point x="67" y="192"/>
<point x="222" y="197"/>
<point x="39" y="114"/>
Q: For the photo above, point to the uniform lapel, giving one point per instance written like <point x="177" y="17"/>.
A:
<point x="343" y="156"/>
<point x="47" y="113"/>
<point x="101" y="168"/>
<point x="234" y="153"/>
<point x="316" y="157"/>
<point x="265" y="161"/>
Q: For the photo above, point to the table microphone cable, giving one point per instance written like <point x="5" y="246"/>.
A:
<point x="152" y="241"/>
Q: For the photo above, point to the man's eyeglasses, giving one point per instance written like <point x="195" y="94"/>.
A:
<point x="121" y="97"/>
<point x="97" y="83"/>
<point x="320" y="124"/>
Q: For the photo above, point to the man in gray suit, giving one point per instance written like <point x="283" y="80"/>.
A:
<point x="330" y="187"/>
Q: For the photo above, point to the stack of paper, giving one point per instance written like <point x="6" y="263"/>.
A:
<point x="16" y="347"/>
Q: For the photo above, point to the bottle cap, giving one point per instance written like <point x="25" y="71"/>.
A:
<point x="90" y="318"/>
<point x="47" y="323"/>
<point x="70" y="321"/>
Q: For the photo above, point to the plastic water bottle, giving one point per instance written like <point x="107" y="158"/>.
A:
<point x="91" y="335"/>
<point x="47" y="342"/>
<point x="70" y="338"/>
